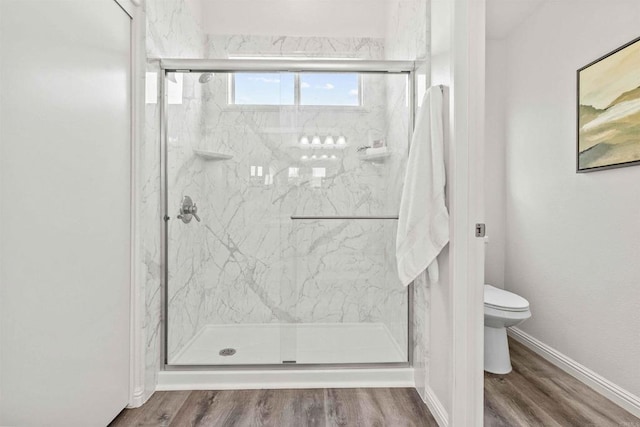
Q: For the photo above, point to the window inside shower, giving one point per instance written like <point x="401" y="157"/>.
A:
<point x="311" y="89"/>
<point x="288" y="257"/>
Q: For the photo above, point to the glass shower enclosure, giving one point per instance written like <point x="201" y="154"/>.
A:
<point x="281" y="187"/>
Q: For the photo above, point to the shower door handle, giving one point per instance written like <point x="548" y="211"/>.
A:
<point x="188" y="210"/>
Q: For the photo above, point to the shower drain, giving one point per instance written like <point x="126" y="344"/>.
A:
<point x="227" y="352"/>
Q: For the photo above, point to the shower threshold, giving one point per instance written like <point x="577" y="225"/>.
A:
<point x="284" y="343"/>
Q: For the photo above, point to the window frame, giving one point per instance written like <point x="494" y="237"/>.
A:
<point x="296" y="92"/>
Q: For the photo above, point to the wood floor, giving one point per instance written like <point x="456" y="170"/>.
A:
<point x="398" y="407"/>
<point x="536" y="393"/>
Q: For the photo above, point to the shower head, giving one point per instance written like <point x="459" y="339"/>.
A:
<point x="205" y="77"/>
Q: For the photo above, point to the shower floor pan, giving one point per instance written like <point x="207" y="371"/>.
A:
<point x="301" y="343"/>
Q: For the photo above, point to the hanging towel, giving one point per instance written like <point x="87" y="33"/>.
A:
<point x="423" y="223"/>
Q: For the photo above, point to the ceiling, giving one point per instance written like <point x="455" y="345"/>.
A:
<point x="504" y="15"/>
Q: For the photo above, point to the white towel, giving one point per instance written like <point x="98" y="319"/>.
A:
<point x="423" y="224"/>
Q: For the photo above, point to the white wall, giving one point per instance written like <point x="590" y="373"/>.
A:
<point x="65" y="219"/>
<point x="439" y="367"/>
<point x="573" y="240"/>
<point x="495" y="210"/>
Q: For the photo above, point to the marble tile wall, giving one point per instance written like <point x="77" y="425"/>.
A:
<point x="172" y="32"/>
<point x="407" y="32"/>
<point x="255" y="264"/>
<point x="408" y="38"/>
<point x="264" y="281"/>
<point x="151" y="214"/>
<point x="288" y="46"/>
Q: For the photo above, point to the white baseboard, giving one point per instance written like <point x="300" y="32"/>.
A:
<point x="274" y="379"/>
<point x="140" y="397"/>
<point x="611" y="391"/>
<point x="137" y="399"/>
<point x="435" y="407"/>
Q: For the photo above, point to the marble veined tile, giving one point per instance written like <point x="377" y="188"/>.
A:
<point x="247" y="262"/>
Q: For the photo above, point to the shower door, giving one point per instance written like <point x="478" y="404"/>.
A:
<point x="282" y="194"/>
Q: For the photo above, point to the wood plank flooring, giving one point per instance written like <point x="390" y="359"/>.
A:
<point x="536" y="393"/>
<point x="397" y="407"/>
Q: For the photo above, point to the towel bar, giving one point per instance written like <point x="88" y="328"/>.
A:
<point x="295" y="217"/>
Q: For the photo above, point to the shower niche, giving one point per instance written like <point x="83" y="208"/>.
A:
<point x="293" y="261"/>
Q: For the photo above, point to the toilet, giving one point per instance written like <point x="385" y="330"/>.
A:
<point x="502" y="309"/>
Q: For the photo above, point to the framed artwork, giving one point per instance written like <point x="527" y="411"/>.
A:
<point x="609" y="110"/>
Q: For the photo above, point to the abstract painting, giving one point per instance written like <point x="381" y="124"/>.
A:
<point x="609" y="110"/>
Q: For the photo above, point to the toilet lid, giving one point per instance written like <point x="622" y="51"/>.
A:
<point x="504" y="300"/>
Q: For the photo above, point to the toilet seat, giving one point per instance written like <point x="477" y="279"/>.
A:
<point x="499" y="299"/>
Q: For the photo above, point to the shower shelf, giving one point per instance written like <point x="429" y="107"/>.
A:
<point x="212" y="155"/>
<point x="377" y="156"/>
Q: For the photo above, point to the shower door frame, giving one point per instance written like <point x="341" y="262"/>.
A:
<point x="167" y="66"/>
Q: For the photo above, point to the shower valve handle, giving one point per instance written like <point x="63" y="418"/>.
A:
<point x="194" y="212"/>
<point x="188" y="210"/>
